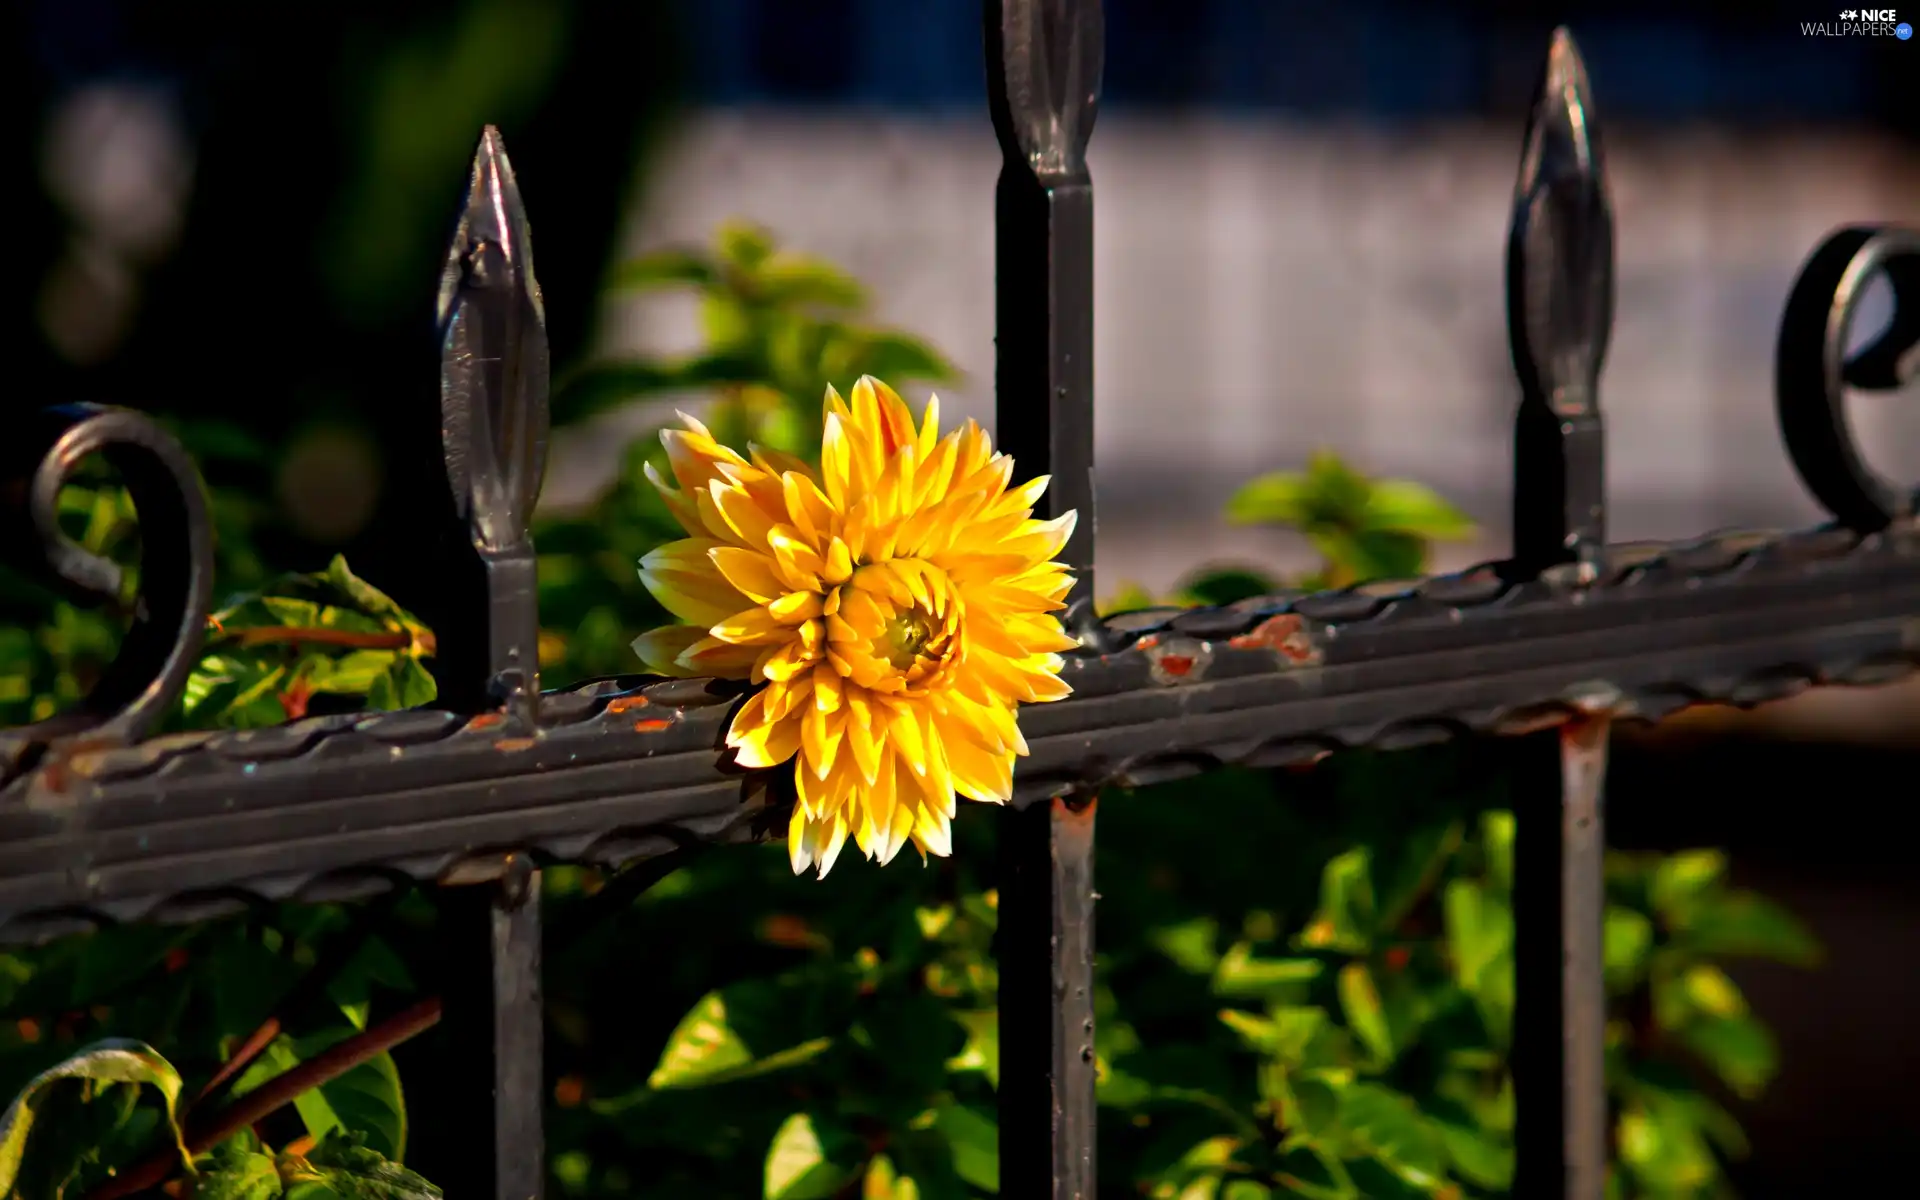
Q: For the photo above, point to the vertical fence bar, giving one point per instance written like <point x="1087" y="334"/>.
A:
<point x="1560" y="309"/>
<point x="1044" y="60"/>
<point x="493" y="414"/>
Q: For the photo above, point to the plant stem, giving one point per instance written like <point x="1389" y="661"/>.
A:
<point x="282" y="1089"/>
<point x="338" y="956"/>
<point x="263" y="635"/>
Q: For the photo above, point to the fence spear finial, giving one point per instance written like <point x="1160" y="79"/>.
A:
<point x="1560" y="281"/>
<point x="493" y="429"/>
<point x="494" y="362"/>
<point x="1045" y="59"/>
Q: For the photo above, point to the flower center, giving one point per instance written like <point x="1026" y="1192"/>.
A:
<point x="905" y="638"/>
<point x="895" y="627"/>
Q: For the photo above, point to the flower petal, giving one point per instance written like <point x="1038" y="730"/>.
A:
<point x="659" y="649"/>
<point x="750" y="573"/>
<point x="751" y="627"/>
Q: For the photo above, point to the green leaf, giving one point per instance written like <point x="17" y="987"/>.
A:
<point x="1219" y="586"/>
<point x="1278" y="498"/>
<point x="1403" y="506"/>
<point x="1740" y="1050"/>
<point x="744" y="244"/>
<point x="884" y="1182"/>
<point x="1387" y="1126"/>
<point x="341" y="1167"/>
<point x="1478" y="1155"/>
<point x="662" y="268"/>
<point x="1496" y="834"/>
<point x="799" y="1166"/>
<point x="237" y="1170"/>
<point x="701" y="1046"/>
<point x="369" y="1100"/>
<point x="1190" y="944"/>
<point x="1346" y="917"/>
<point x="1239" y="973"/>
<point x="1289" y="1034"/>
<point x="604" y="386"/>
<point x="1314" y="1174"/>
<point x="900" y="358"/>
<point x="1629" y="942"/>
<point x="1128" y="597"/>
<point x="1360" y="1001"/>
<point x="365" y="597"/>
<point x="787" y="280"/>
<point x="1667" y="1150"/>
<point x="982" y="1051"/>
<point x="1379" y="554"/>
<point x="112" y="1061"/>
<point x="1743" y="924"/>
<point x="1680" y="879"/>
<point x="975" y="1140"/>
<point x="406" y="684"/>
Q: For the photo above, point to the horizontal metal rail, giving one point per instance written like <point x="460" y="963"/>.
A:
<point x="180" y="826"/>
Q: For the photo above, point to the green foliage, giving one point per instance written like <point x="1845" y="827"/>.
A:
<point x="1361" y="528"/>
<point x="777" y="324"/>
<point x="108" y="1074"/>
<point x="1377" y="1030"/>
<point x="1306" y="980"/>
<point x="778" y="327"/>
<point x="339" y="1167"/>
<point x="329" y="633"/>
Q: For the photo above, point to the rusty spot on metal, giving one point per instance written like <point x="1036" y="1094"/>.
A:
<point x="620" y="704"/>
<point x="1305" y="765"/>
<point x="1596" y="702"/>
<point x="54" y="776"/>
<point x="1074" y="814"/>
<point x="1533" y="722"/>
<point x="514" y="745"/>
<point x="478" y="868"/>
<point x="1178" y="659"/>
<point x="487" y="720"/>
<point x="1148" y="642"/>
<point x="1286" y="634"/>
<point x="655" y="725"/>
<point x="1584" y="741"/>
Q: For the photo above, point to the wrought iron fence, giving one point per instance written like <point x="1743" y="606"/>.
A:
<point x="100" y="822"/>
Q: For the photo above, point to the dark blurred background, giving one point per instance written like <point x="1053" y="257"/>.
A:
<point x="236" y="211"/>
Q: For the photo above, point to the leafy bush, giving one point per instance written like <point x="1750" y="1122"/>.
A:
<point x="1306" y="977"/>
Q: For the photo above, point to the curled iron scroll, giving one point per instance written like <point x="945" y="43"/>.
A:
<point x="163" y="642"/>
<point x="1812" y="370"/>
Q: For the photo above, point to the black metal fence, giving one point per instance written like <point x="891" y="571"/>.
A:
<point x="100" y="822"/>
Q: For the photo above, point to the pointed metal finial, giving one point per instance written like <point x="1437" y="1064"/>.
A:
<point x="1044" y="62"/>
<point x="1559" y="317"/>
<point x="493" y="428"/>
<point x="493" y="363"/>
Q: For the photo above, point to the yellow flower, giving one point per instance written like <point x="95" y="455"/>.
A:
<point x="897" y="603"/>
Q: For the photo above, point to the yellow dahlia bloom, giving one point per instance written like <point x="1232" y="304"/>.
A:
<point x="897" y="603"/>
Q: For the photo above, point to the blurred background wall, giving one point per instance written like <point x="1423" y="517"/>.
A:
<point x="226" y="211"/>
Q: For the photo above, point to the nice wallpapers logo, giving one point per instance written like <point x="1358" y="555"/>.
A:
<point x="1860" y="22"/>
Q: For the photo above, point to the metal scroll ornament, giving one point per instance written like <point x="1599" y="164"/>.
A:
<point x="1812" y="370"/>
<point x="41" y="455"/>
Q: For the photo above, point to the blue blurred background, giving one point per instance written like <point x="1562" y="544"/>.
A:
<point x="237" y="210"/>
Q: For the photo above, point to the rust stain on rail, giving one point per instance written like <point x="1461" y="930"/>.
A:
<point x="1287" y="635"/>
